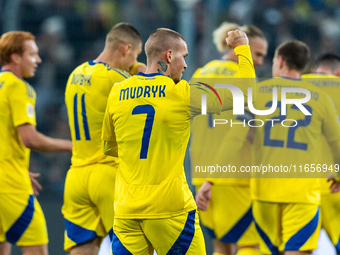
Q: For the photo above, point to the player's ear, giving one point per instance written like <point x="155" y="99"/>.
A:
<point x="281" y="61"/>
<point x="125" y="48"/>
<point x="169" y="56"/>
<point x="15" y="58"/>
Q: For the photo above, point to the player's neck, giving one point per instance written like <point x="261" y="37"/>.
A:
<point x="12" y="68"/>
<point x="293" y="74"/>
<point x="230" y="56"/>
<point x="110" y="58"/>
<point x="158" y="67"/>
<point x="323" y="70"/>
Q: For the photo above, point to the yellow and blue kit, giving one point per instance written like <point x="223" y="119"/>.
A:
<point x="290" y="204"/>
<point x="22" y="221"/>
<point x="330" y="203"/>
<point x="89" y="186"/>
<point x="148" y="119"/>
<point x="224" y="145"/>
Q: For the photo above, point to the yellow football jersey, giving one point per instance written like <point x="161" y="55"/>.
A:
<point x="148" y="117"/>
<point x="296" y="144"/>
<point x="17" y="104"/>
<point x="86" y="94"/>
<point x="331" y="85"/>
<point x="214" y="145"/>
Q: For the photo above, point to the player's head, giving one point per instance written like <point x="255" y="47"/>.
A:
<point x="291" y="55"/>
<point x="169" y="47"/>
<point x="18" y="49"/>
<point x="257" y="40"/>
<point x="328" y="63"/>
<point x="126" y="39"/>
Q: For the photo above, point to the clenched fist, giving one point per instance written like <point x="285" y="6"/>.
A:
<point x="236" y="38"/>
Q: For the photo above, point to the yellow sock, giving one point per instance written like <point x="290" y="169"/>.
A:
<point x="248" y="251"/>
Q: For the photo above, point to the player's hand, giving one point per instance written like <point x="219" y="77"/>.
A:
<point x="35" y="184"/>
<point x="203" y="196"/>
<point x="236" y="38"/>
<point x="334" y="187"/>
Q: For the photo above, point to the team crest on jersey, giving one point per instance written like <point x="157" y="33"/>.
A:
<point x="30" y="110"/>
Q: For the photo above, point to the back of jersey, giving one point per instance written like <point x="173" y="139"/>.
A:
<point x="86" y="95"/>
<point x="148" y="116"/>
<point x="291" y="141"/>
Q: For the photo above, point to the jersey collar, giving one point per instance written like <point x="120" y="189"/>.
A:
<point x="149" y="74"/>
<point x="288" y="78"/>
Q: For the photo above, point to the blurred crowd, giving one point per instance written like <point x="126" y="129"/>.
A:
<point x="70" y="32"/>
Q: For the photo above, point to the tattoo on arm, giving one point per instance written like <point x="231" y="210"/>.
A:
<point x="236" y="38"/>
<point x="163" y="66"/>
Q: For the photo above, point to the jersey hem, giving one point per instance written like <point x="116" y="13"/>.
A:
<point x="158" y="216"/>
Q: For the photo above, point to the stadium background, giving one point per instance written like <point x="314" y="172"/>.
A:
<point x="69" y="32"/>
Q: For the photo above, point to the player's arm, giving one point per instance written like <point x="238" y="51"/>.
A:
<point x="109" y="143"/>
<point x="239" y="41"/>
<point x="36" y="141"/>
<point x="235" y="139"/>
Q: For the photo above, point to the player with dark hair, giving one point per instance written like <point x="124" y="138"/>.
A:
<point x="287" y="210"/>
<point x="89" y="188"/>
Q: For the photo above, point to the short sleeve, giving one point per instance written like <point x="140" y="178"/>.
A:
<point x="22" y="100"/>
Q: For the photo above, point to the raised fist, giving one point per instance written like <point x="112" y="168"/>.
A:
<point x="236" y="38"/>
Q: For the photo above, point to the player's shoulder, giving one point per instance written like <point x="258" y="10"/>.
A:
<point x="11" y="82"/>
<point x="10" y="78"/>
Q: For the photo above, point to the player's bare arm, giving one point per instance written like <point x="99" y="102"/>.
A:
<point x="36" y="141"/>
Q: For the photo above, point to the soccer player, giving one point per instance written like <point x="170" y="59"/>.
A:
<point x="148" y="118"/>
<point x="225" y="145"/>
<point x="325" y="75"/>
<point x="89" y="188"/>
<point x="22" y="221"/>
<point x="286" y="210"/>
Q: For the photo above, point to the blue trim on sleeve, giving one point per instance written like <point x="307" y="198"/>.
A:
<point x="149" y="74"/>
<point x="77" y="233"/>
<point x="121" y="72"/>
<point x="125" y="75"/>
<point x="274" y="250"/>
<point x="301" y="237"/>
<point x="184" y="240"/>
<point x="19" y="227"/>
<point x="235" y="233"/>
<point x="117" y="247"/>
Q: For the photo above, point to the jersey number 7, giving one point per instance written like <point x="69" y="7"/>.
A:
<point x="149" y="110"/>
